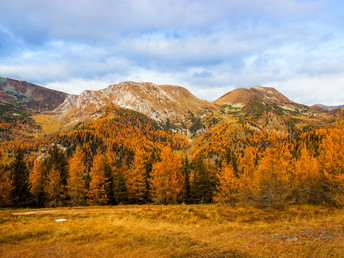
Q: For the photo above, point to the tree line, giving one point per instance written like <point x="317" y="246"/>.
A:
<point x="306" y="169"/>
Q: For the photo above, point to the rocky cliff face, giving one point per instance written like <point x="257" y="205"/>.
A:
<point x="29" y="95"/>
<point x="159" y="102"/>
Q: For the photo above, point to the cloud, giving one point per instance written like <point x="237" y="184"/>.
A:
<point x="210" y="47"/>
<point x="310" y="90"/>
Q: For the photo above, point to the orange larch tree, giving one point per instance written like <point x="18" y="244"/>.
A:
<point x="135" y="178"/>
<point x="97" y="190"/>
<point x="307" y="179"/>
<point x="76" y="183"/>
<point x="5" y="188"/>
<point x="331" y="161"/>
<point x="37" y="179"/>
<point x="271" y="184"/>
<point x="54" y="190"/>
<point x="227" y="189"/>
<point x="166" y="178"/>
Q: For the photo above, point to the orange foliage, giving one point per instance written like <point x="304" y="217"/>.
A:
<point x="166" y="178"/>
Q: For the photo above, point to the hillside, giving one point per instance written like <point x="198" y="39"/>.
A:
<point x="30" y="96"/>
<point x="171" y="106"/>
<point x="30" y="113"/>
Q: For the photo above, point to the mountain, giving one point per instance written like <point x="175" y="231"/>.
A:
<point x="169" y="105"/>
<point x="338" y="112"/>
<point x="328" y="108"/>
<point x="158" y="115"/>
<point x="242" y="96"/>
<point x="266" y="109"/>
<point x="174" y="108"/>
<point x="30" y="96"/>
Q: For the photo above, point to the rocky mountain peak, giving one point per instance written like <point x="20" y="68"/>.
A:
<point x="159" y="102"/>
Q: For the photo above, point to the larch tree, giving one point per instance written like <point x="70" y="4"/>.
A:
<point x="149" y="166"/>
<point x="54" y="190"/>
<point x="247" y="166"/>
<point x="136" y="178"/>
<point x="5" y="188"/>
<point x="96" y="194"/>
<point x="166" y="178"/>
<point x="57" y="161"/>
<point x="331" y="161"/>
<point x="307" y="186"/>
<point x="37" y="179"/>
<point x="271" y="182"/>
<point x="76" y="182"/>
<point x="186" y="171"/>
<point x="109" y="179"/>
<point x="227" y="189"/>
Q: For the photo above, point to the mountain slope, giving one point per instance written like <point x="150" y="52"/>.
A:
<point x="163" y="103"/>
<point x="328" y="108"/>
<point x="242" y="96"/>
<point x="267" y="109"/>
<point x="29" y="95"/>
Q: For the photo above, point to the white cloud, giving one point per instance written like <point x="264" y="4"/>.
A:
<point x="310" y="90"/>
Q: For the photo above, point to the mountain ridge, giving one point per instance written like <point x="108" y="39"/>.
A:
<point x="173" y="107"/>
<point x="30" y="95"/>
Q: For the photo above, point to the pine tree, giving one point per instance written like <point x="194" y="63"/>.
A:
<point x="20" y="194"/>
<point x="201" y="188"/>
<point x="121" y="190"/>
<point x="57" y="160"/>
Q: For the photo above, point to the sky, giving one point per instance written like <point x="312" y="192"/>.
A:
<point x="208" y="47"/>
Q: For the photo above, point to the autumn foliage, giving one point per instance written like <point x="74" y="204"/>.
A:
<point x="124" y="157"/>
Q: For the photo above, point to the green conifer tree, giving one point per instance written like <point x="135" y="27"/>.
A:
<point x="20" y="194"/>
<point x="120" y="190"/>
<point x="201" y="190"/>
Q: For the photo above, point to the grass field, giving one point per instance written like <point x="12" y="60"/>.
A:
<point x="173" y="231"/>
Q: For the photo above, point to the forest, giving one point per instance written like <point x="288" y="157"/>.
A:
<point x="125" y="158"/>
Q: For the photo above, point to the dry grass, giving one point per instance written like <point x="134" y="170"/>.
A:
<point x="50" y="126"/>
<point x="173" y="231"/>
